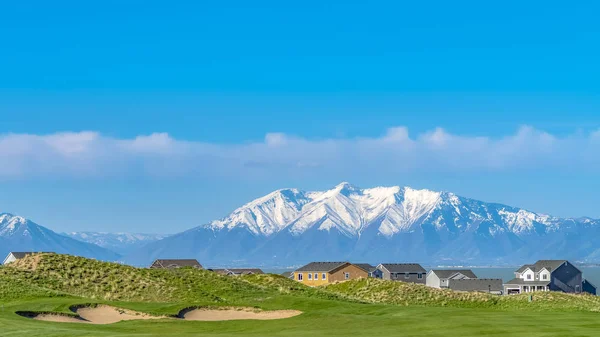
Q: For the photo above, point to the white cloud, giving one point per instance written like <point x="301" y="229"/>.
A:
<point x="92" y="154"/>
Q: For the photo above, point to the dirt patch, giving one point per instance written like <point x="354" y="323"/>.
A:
<point x="229" y="314"/>
<point x="104" y="314"/>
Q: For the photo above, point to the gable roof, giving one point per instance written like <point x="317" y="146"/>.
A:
<point x="550" y="265"/>
<point x="520" y="281"/>
<point x="20" y="255"/>
<point x="448" y="273"/>
<point x="322" y="266"/>
<point x="403" y="267"/>
<point x="170" y="263"/>
<point x="365" y="266"/>
<point x="476" y="284"/>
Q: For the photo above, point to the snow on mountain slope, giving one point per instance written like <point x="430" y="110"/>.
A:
<point x="20" y="234"/>
<point x="381" y="223"/>
<point x="121" y="243"/>
<point x="266" y="215"/>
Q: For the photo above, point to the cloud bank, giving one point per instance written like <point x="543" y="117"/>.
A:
<point x="91" y="154"/>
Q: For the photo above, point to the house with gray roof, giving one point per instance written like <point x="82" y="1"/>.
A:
<point x="14" y="256"/>
<point x="548" y="275"/>
<point x="485" y="285"/>
<point x="367" y="267"/>
<point x="438" y="278"/>
<point x="406" y="272"/>
<point x="319" y="273"/>
<point x="175" y="263"/>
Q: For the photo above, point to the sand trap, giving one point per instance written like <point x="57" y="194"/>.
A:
<point x="229" y="314"/>
<point x="104" y="314"/>
<point x="91" y="315"/>
<point x="58" y="318"/>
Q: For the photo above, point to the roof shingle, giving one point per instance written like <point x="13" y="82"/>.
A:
<point x="476" y="284"/>
<point x="322" y="266"/>
<point x="403" y="267"/>
<point x="447" y="273"/>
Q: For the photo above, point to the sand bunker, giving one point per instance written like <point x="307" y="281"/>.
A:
<point x="104" y="314"/>
<point x="229" y="314"/>
<point x="58" y="318"/>
<point x="92" y="315"/>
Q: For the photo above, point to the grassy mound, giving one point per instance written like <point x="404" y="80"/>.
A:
<point x="111" y="281"/>
<point x="14" y="286"/>
<point x="401" y="293"/>
<point x="77" y="276"/>
<point x="286" y="286"/>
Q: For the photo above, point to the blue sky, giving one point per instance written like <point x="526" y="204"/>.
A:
<point x="142" y="116"/>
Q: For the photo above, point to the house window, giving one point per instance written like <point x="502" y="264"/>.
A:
<point x="300" y="277"/>
<point x="420" y="276"/>
<point x="544" y="276"/>
<point x="309" y="276"/>
<point x="316" y="276"/>
<point x="347" y="276"/>
<point x="406" y="275"/>
<point x="324" y="276"/>
<point x="529" y="276"/>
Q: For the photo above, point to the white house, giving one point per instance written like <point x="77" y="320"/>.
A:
<point x="440" y="278"/>
<point x="549" y="275"/>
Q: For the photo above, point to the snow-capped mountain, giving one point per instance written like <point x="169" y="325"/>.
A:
<point x="395" y="223"/>
<point x="20" y="234"/>
<point x="122" y="243"/>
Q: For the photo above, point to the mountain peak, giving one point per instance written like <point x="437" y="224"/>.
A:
<point x="20" y="234"/>
<point x="346" y="222"/>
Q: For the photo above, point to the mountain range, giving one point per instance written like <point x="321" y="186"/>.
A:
<point x="290" y="227"/>
<point x="383" y="224"/>
<point x="121" y="243"/>
<point x="20" y="234"/>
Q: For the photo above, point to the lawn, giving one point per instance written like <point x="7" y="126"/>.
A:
<point x="357" y="308"/>
<point x="320" y="318"/>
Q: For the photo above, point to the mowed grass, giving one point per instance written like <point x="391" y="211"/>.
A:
<point x="53" y="283"/>
<point x="324" y="318"/>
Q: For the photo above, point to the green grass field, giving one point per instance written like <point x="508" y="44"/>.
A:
<point x="53" y="283"/>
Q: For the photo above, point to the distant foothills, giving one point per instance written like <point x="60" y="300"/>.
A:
<point x="290" y="227"/>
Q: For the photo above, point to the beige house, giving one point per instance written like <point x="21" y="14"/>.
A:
<point x="319" y="273"/>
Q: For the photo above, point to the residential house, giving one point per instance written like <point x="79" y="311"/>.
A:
<point x="175" y="263"/>
<point x="318" y="273"/>
<point x="237" y="271"/>
<point x="438" y="278"/>
<point x="548" y="275"/>
<point x="486" y="285"/>
<point x="288" y="274"/>
<point x="367" y="267"/>
<point x="14" y="256"/>
<point x="406" y="272"/>
<point x="588" y="287"/>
